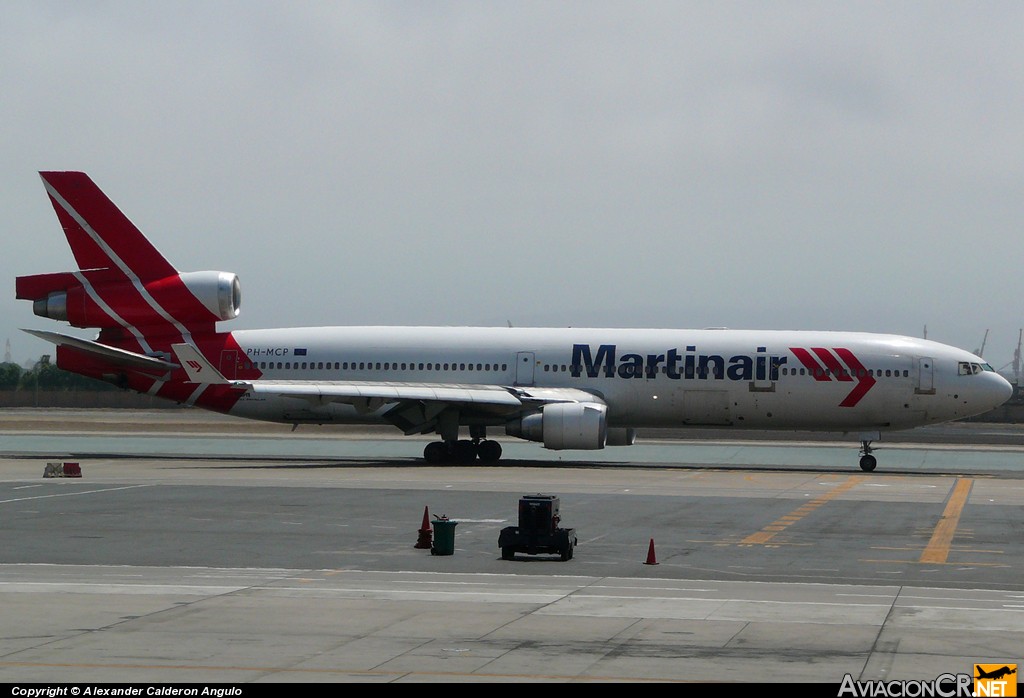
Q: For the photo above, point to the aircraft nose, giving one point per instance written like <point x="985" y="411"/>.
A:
<point x="998" y="390"/>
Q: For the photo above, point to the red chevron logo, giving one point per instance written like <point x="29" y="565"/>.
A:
<point x="839" y="364"/>
<point x="195" y="365"/>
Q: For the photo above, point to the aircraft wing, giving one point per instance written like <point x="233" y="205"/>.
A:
<point x="415" y="407"/>
<point x="349" y="391"/>
<point x="415" y="404"/>
<point x="346" y="391"/>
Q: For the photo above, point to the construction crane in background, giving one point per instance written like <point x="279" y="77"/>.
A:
<point x="981" y="351"/>
<point x="1016" y="359"/>
<point x="1016" y="364"/>
<point x="7" y="353"/>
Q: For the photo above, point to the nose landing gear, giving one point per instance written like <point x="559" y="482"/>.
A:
<point x="867" y="461"/>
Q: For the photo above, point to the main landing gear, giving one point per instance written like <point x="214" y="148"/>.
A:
<point x="867" y="461"/>
<point x="462" y="451"/>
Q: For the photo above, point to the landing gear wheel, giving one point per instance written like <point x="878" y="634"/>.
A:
<point x="464" y="451"/>
<point x="507" y="553"/>
<point x="867" y="461"/>
<point x="489" y="451"/>
<point x="435" y="452"/>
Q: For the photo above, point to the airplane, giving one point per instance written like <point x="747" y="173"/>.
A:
<point x="566" y="388"/>
<point x="996" y="674"/>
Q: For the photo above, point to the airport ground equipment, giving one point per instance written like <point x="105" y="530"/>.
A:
<point x="62" y="470"/>
<point x="425" y="538"/>
<point x="538" y="531"/>
<point x="444" y="536"/>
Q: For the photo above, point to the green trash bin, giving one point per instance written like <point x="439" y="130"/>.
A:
<point x="444" y="536"/>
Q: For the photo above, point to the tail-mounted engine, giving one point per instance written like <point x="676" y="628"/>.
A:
<point x="106" y="298"/>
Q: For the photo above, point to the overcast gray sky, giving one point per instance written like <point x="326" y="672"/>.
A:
<point x="804" y="165"/>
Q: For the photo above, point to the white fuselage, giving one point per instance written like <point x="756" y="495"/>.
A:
<point x="836" y="381"/>
<point x="566" y="388"/>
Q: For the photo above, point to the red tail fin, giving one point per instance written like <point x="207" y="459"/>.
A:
<point x="99" y="234"/>
<point x="124" y="286"/>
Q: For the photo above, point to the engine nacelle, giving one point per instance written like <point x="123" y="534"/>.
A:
<point x="564" y="425"/>
<point x="219" y="291"/>
<point x="106" y="299"/>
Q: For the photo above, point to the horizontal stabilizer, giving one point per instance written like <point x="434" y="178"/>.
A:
<point x="118" y="357"/>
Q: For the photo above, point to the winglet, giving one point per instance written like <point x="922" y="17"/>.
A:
<point x="199" y="370"/>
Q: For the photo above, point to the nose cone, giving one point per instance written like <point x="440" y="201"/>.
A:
<point x="999" y="389"/>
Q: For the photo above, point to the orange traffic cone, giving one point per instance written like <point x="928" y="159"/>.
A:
<point x="425" y="539"/>
<point x="651" y="560"/>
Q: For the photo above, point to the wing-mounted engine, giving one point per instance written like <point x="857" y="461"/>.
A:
<point x="107" y="298"/>
<point x="564" y="425"/>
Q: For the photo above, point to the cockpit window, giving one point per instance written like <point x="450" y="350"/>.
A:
<point x="966" y="368"/>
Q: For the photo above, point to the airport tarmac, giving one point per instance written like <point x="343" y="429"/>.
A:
<point x="161" y="564"/>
